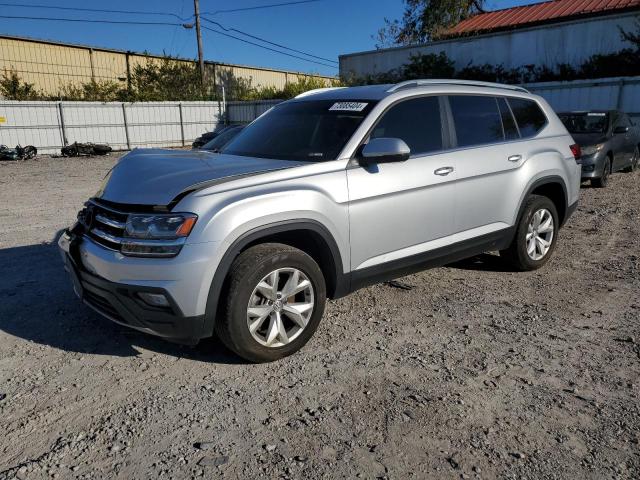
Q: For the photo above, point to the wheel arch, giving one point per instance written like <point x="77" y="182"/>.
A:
<point x="308" y="235"/>
<point x="555" y="189"/>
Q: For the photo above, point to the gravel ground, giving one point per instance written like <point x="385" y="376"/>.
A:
<point x="474" y="372"/>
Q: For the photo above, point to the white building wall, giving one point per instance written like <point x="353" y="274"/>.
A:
<point x="570" y="42"/>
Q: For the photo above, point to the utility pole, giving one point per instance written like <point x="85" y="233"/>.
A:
<point x="196" y="6"/>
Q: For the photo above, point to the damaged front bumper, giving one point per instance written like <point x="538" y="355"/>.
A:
<point x="123" y="303"/>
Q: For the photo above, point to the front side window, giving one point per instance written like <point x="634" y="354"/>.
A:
<point x="309" y="131"/>
<point x="531" y="119"/>
<point x="416" y="121"/>
<point x="477" y="120"/>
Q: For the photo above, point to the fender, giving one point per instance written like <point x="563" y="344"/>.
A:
<point x="342" y="281"/>
<point x="551" y="179"/>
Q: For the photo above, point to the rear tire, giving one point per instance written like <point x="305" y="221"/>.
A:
<point x="538" y="226"/>
<point x="263" y="319"/>
<point x="603" y="181"/>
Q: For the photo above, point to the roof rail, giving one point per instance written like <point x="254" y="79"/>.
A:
<point x="470" y="83"/>
<point x="317" y="90"/>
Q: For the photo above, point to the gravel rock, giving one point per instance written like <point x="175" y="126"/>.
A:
<point x="375" y="392"/>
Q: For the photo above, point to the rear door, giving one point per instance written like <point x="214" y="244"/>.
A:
<point x="397" y="210"/>
<point x="489" y="151"/>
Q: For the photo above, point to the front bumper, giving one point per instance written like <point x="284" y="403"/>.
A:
<point x="121" y="303"/>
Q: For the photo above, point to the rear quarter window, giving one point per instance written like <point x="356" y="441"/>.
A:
<point x="529" y="116"/>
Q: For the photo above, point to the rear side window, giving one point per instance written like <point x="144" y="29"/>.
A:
<point x="510" y="129"/>
<point x="477" y="120"/>
<point x="416" y="121"/>
<point x="531" y="119"/>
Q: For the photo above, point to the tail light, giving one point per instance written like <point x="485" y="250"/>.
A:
<point x="577" y="152"/>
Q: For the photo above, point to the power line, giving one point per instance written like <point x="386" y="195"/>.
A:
<point x="97" y="10"/>
<point x="266" y="48"/>
<point x="172" y="24"/>
<point x="146" y="12"/>
<point x="267" y="41"/>
<point x="260" y="7"/>
<point x="84" y="20"/>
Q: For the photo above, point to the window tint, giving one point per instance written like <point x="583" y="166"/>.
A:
<point x="416" y="121"/>
<point x="529" y="116"/>
<point x="589" y="122"/>
<point x="624" y="121"/>
<point x="308" y="130"/>
<point x="477" y="120"/>
<point x="509" y="124"/>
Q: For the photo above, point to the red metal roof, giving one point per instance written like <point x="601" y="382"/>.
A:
<point x="546" y="12"/>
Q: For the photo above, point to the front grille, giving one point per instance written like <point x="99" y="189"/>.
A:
<point x="106" y="225"/>
<point x="102" y="305"/>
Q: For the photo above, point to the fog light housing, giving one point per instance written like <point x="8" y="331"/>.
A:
<point x="588" y="168"/>
<point x="154" y="299"/>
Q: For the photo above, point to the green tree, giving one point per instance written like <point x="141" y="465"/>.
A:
<point x="92" y="91"/>
<point x="12" y="87"/>
<point x="424" y="20"/>
<point x="166" y="79"/>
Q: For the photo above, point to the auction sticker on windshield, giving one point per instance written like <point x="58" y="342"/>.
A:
<point x="348" y="106"/>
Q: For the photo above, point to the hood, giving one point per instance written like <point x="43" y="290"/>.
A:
<point x="156" y="177"/>
<point x="588" y="139"/>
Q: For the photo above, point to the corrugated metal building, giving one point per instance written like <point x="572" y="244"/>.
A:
<point x="549" y="33"/>
<point x="51" y="65"/>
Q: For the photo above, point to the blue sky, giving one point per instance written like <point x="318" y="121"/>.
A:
<point x="326" y="28"/>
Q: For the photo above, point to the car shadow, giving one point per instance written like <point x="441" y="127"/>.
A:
<point x="485" y="262"/>
<point x="37" y="304"/>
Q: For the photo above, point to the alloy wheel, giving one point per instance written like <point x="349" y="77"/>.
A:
<point x="280" y="307"/>
<point x="540" y="234"/>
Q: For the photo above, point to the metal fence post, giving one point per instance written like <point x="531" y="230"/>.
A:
<point x="181" y="123"/>
<point x="126" y="125"/>
<point x="63" y="130"/>
<point x="620" y="94"/>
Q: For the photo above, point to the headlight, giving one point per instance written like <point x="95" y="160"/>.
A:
<point x="157" y="235"/>
<point x="590" y="150"/>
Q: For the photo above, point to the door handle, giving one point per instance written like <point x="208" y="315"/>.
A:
<point x="515" y="158"/>
<point x="444" y="171"/>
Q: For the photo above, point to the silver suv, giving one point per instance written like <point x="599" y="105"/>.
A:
<point x="320" y="196"/>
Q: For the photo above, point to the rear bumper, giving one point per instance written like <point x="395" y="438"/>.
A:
<point x="592" y="166"/>
<point x="121" y="303"/>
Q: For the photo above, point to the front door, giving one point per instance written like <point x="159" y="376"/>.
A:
<point x="397" y="210"/>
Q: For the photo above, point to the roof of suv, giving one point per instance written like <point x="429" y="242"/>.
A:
<point x="378" y="92"/>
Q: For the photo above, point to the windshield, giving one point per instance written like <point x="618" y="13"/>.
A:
<point x="310" y="131"/>
<point x="222" y="139"/>
<point x="585" y="122"/>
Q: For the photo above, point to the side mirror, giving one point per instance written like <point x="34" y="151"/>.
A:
<point x="384" y="150"/>
<point x="620" y="130"/>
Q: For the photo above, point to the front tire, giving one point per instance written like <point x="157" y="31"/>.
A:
<point x="275" y="300"/>
<point x="536" y="235"/>
<point x="603" y="181"/>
